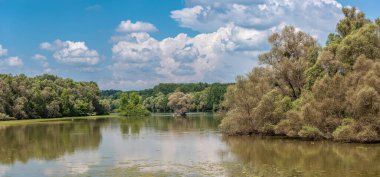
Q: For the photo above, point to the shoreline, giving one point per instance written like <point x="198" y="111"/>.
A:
<point x="6" y="123"/>
<point x="299" y="138"/>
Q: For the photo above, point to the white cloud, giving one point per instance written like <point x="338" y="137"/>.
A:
<point x="3" y="52"/>
<point x="39" y="57"/>
<point x="43" y="61"/>
<point x="14" y="61"/>
<point x="139" y="47"/>
<point x="232" y="34"/>
<point x="46" y="46"/>
<point x="90" y="69"/>
<point x="317" y="17"/>
<point x="69" y="52"/>
<point x="129" y="27"/>
<point x="142" y="60"/>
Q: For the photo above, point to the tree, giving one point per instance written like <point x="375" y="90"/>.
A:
<point x="53" y="109"/>
<point x="149" y="103"/>
<point x="341" y="97"/>
<point x="160" y="102"/>
<point x="180" y="102"/>
<point x="292" y="52"/>
<point x="131" y="105"/>
<point x="353" y="20"/>
<point x="47" y="96"/>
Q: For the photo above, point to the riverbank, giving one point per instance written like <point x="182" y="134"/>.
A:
<point x="45" y="120"/>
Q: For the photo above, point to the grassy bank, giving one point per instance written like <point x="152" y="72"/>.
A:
<point x="51" y="120"/>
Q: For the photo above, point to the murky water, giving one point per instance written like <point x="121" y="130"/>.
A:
<point x="163" y="146"/>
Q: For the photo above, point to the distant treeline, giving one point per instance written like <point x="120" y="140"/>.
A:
<point x="205" y="96"/>
<point x="48" y="96"/>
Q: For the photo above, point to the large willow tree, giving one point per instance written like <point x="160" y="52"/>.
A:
<point x="305" y="91"/>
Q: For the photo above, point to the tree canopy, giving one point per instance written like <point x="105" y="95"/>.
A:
<point x="206" y="97"/>
<point x="131" y="105"/>
<point x="180" y="102"/>
<point x="48" y="96"/>
<point x="306" y="91"/>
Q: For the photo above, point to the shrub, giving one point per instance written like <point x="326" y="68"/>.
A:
<point x="6" y="117"/>
<point x="310" y="132"/>
<point x="368" y="134"/>
<point x="289" y="126"/>
<point x="344" y="133"/>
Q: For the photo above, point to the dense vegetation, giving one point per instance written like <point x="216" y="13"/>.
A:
<point x="48" y="96"/>
<point x="204" y="96"/>
<point x="306" y="91"/>
<point x="131" y="105"/>
<point x="180" y="102"/>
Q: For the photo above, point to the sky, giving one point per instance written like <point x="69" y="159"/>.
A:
<point x="136" y="44"/>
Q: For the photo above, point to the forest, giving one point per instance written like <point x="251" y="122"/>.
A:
<point x="304" y="90"/>
<point x="48" y="96"/>
<point x="204" y="97"/>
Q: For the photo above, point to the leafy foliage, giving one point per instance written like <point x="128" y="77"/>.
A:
<point x="328" y="94"/>
<point x="131" y="105"/>
<point x="206" y="97"/>
<point x="46" y="96"/>
<point x="180" y="102"/>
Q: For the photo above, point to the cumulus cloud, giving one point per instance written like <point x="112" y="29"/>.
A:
<point x="317" y="17"/>
<point x="232" y="33"/>
<point x="14" y="61"/>
<point x="128" y="27"/>
<point x="142" y="60"/>
<point x="70" y="52"/>
<point x="6" y="62"/>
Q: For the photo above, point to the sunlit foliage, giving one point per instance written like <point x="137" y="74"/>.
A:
<point x="46" y="96"/>
<point x="131" y="105"/>
<point x="304" y="91"/>
<point x="180" y="102"/>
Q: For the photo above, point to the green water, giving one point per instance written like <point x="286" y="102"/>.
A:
<point x="163" y="146"/>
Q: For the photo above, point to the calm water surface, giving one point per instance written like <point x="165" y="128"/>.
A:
<point x="163" y="146"/>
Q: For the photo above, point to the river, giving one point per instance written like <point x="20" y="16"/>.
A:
<point x="161" y="145"/>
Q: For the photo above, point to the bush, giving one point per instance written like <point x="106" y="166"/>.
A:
<point x="310" y="132"/>
<point x="289" y="126"/>
<point x="6" y="117"/>
<point x="235" y="123"/>
<point x="344" y="133"/>
<point x="368" y="134"/>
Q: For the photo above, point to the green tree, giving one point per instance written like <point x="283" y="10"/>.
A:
<point x="341" y="97"/>
<point x="180" y="102"/>
<point x="131" y="105"/>
<point x="47" y="96"/>
<point x="289" y="57"/>
<point x="161" y="102"/>
<point x="353" y="20"/>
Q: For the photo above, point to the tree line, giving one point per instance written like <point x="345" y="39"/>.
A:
<point x="48" y="96"/>
<point x="303" y="90"/>
<point x="203" y="97"/>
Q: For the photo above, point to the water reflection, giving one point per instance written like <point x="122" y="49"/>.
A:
<point x="268" y="156"/>
<point x="47" y="141"/>
<point x="166" y="123"/>
<point x="161" y="145"/>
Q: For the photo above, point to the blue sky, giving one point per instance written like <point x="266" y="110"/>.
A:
<point x="135" y="44"/>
